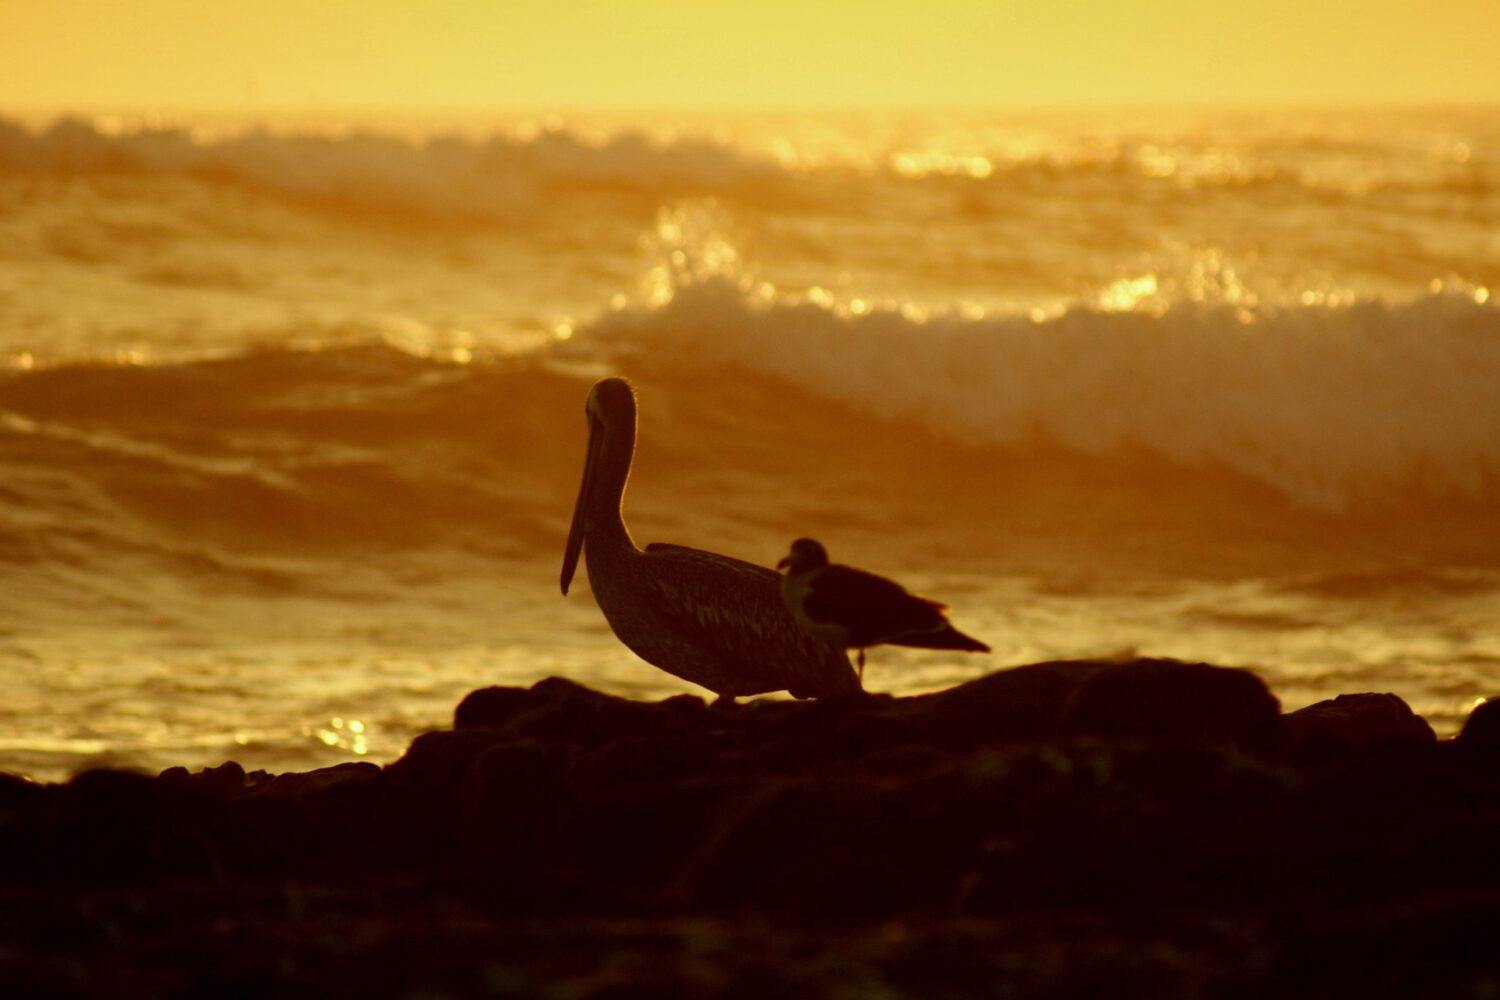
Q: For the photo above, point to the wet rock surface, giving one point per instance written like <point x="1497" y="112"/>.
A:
<point x="1146" y="828"/>
<point x="1356" y="722"/>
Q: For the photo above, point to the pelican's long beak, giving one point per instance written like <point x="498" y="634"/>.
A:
<point x="575" y="531"/>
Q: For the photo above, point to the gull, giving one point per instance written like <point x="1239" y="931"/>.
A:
<point x="852" y="609"/>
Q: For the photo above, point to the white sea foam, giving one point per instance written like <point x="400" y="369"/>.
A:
<point x="1331" y="405"/>
<point x="504" y="173"/>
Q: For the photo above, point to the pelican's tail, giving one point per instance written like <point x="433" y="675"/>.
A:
<point x="946" y="637"/>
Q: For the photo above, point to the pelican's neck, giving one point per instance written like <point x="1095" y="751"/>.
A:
<point x="606" y="518"/>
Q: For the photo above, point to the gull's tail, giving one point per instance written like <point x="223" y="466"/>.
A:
<point x="946" y="637"/>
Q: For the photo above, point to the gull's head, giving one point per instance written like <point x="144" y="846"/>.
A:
<point x="806" y="554"/>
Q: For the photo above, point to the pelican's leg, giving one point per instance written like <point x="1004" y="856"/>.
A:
<point x="861" y="666"/>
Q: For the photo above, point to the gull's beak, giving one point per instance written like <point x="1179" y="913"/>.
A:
<point x="575" y="531"/>
<point x="785" y="562"/>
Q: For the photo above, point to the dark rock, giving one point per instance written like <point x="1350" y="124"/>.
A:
<point x="1061" y="829"/>
<point x="809" y="844"/>
<point x="491" y="706"/>
<point x="1092" y="822"/>
<point x="435" y="763"/>
<point x="511" y="809"/>
<point x="226" y="779"/>
<point x="119" y="824"/>
<point x="788" y="736"/>
<point x="1479" y="740"/>
<point x="560" y="709"/>
<point x="24" y="840"/>
<point x="648" y="760"/>
<point x="1167" y="700"/>
<point x="1356" y="722"/>
<point x="634" y="842"/>
<point x="315" y="823"/>
<point x="1021" y="703"/>
<point x="18" y="793"/>
<point x="422" y="785"/>
<point x="691" y="709"/>
<point x="337" y="778"/>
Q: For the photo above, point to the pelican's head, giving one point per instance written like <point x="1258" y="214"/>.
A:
<point x="610" y="411"/>
<point x="611" y="402"/>
<point x="807" y="554"/>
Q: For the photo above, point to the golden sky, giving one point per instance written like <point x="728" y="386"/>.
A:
<point x="300" y="54"/>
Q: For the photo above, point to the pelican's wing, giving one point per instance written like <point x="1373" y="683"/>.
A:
<point x="872" y="608"/>
<point x="687" y="554"/>
<point x="735" y="608"/>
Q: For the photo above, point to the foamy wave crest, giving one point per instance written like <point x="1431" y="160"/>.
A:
<point x="500" y="178"/>
<point x="1334" y="406"/>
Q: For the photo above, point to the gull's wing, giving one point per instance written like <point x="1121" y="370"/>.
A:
<point x="871" y="608"/>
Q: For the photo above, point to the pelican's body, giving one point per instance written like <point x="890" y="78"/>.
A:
<point x="710" y="619"/>
<point x="852" y="609"/>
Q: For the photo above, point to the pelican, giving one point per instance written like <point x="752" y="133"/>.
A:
<point x="715" y="621"/>
<point x="850" y="608"/>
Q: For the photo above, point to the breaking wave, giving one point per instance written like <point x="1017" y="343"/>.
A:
<point x="1335" y="406"/>
<point x="505" y="176"/>
<point x="500" y="178"/>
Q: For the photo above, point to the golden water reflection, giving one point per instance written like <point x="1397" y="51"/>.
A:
<point x="345" y="734"/>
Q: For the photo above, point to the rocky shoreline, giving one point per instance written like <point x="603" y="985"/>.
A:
<point x="1143" y="828"/>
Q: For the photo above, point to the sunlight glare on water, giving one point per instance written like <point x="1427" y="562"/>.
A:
<point x="290" y="409"/>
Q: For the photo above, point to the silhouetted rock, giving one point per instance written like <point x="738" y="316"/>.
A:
<point x="421" y="788"/>
<point x="1156" y="700"/>
<point x="1356" y="722"/>
<point x="119" y="824"/>
<point x="324" y="822"/>
<point x="490" y="707"/>
<point x="1022" y="703"/>
<point x="1480" y="737"/>
<point x="560" y="709"/>
<point x="227" y="779"/>
<point x="325" y="781"/>
<point x="560" y="841"/>
<point x="18" y="794"/>
<point x="512" y="803"/>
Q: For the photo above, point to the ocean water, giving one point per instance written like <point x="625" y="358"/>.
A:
<point x="291" y="410"/>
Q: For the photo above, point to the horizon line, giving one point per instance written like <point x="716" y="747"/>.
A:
<point x="312" y="109"/>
